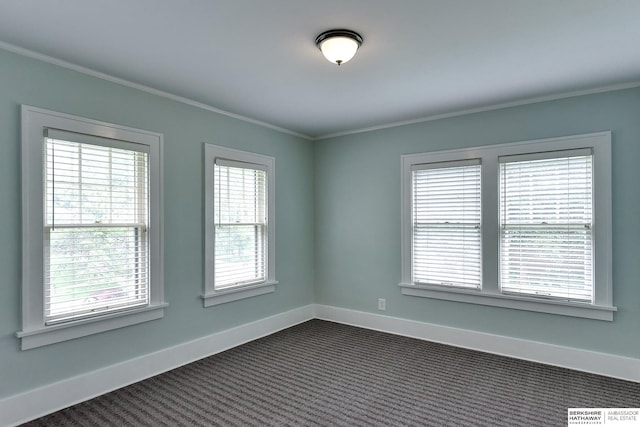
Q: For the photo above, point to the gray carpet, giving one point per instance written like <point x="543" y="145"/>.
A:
<point x="326" y="374"/>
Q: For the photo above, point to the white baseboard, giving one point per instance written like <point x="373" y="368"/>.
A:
<point x="609" y="365"/>
<point x="32" y="404"/>
<point x="27" y="406"/>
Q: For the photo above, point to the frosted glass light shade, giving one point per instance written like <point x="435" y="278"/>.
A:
<point x="339" y="46"/>
<point x="339" y="49"/>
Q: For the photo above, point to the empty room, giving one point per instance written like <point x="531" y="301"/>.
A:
<point x="349" y="212"/>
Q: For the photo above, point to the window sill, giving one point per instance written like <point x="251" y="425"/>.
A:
<point x="45" y="335"/>
<point x="237" y="293"/>
<point x="589" y="311"/>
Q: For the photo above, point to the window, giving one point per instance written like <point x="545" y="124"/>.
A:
<point x="91" y="227"/>
<point x="96" y="246"/>
<point x="546" y="243"/>
<point x="239" y="229"/>
<point x="446" y="224"/>
<point x="523" y="225"/>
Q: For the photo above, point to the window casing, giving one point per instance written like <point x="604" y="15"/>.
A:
<point x="545" y="226"/>
<point x="239" y="225"/>
<point x="92" y="227"/>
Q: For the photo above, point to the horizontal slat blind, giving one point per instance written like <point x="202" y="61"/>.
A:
<point x="240" y="215"/>
<point x="546" y="243"/>
<point x="96" y="214"/>
<point x="446" y="224"/>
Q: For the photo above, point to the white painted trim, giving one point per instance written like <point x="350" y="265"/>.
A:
<point x="35" y="121"/>
<point x="237" y="293"/>
<point x="50" y="398"/>
<point x="93" y="73"/>
<point x="609" y="365"/>
<point x="46" y="335"/>
<point x="516" y="302"/>
<point x="214" y="154"/>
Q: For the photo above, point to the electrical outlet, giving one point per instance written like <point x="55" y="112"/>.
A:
<point x="382" y="304"/>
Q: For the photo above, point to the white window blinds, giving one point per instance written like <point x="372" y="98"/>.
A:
<point x="96" y="219"/>
<point x="240" y="216"/>
<point x="446" y="224"/>
<point x="546" y="239"/>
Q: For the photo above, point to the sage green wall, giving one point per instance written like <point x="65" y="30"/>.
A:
<point x="357" y="223"/>
<point x="185" y="128"/>
<point x="337" y="214"/>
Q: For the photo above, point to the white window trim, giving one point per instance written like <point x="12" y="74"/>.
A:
<point x="35" y="332"/>
<point x="212" y="296"/>
<point x="489" y="294"/>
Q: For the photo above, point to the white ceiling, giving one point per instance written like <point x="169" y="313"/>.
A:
<point x="420" y="58"/>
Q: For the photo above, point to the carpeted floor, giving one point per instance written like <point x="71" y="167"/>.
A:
<point x="326" y="374"/>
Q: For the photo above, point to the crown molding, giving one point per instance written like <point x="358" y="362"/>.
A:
<point x="117" y="80"/>
<point x="123" y="82"/>
<point x="518" y="103"/>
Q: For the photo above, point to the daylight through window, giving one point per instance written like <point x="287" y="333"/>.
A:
<point x="524" y="225"/>
<point x="96" y="214"/>
<point x="446" y="224"/>
<point x="240" y="224"/>
<point x="546" y="239"/>
<point x="92" y="246"/>
<point x="239" y="233"/>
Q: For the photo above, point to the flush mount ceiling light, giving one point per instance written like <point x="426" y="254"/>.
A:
<point x="339" y="46"/>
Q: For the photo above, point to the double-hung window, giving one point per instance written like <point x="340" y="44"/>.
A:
<point x="96" y="216"/>
<point x="546" y="222"/>
<point x="91" y="227"/>
<point x="239" y="225"/>
<point x="523" y="225"/>
<point x="446" y="224"/>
